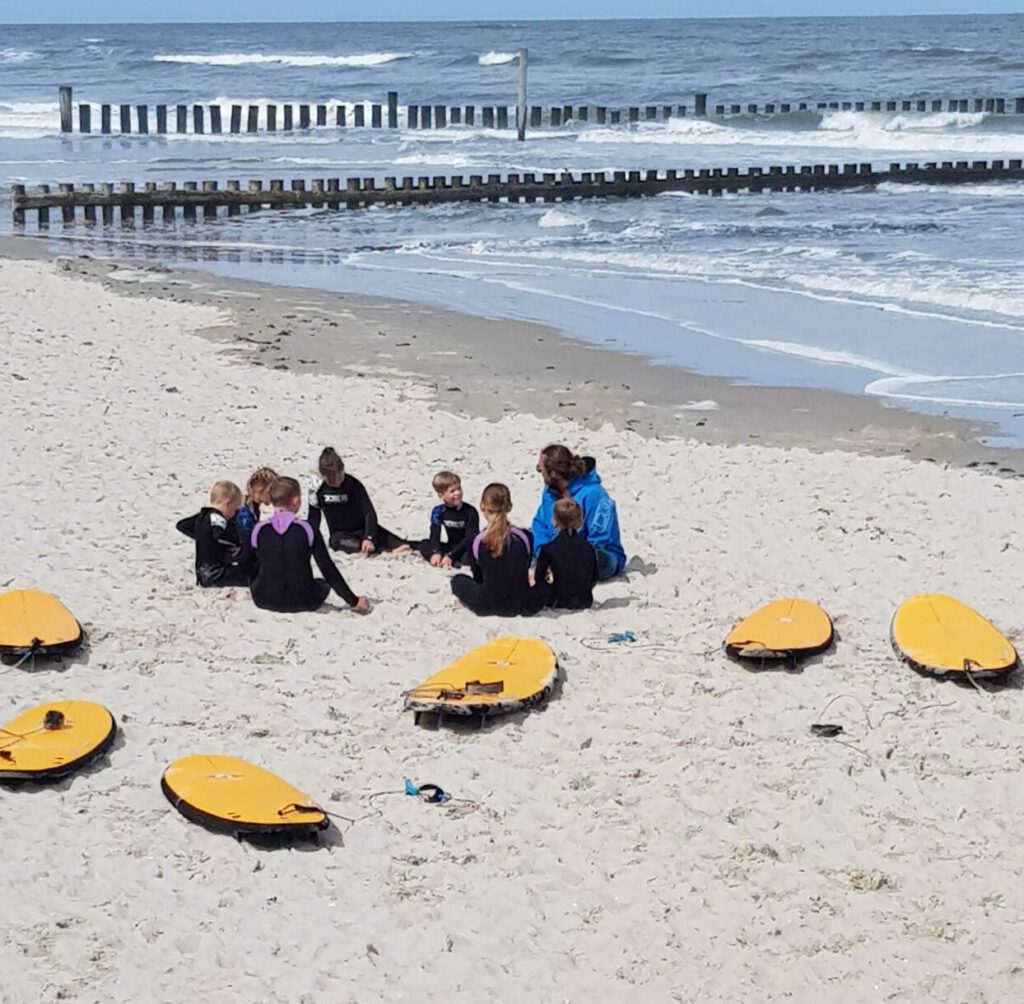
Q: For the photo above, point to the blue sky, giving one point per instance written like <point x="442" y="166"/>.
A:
<point x="75" y="11"/>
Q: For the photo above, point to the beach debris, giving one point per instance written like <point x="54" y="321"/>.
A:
<point x="827" y="730"/>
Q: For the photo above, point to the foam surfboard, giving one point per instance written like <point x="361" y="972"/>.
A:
<point x="783" y="629"/>
<point x="939" y="634"/>
<point x="504" y="675"/>
<point x="35" y="623"/>
<point x="231" y="795"/>
<point x="52" y="740"/>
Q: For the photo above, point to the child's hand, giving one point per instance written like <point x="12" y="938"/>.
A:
<point x="368" y="547"/>
<point x="436" y="559"/>
<point x="362" y="605"/>
<point x="446" y="562"/>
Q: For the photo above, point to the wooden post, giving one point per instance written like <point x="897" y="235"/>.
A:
<point x="303" y="116"/>
<point x="44" y="214"/>
<point x="502" y="116"/>
<point x="1018" y="106"/>
<point x="67" y="211"/>
<point x="254" y="186"/>
<point x="105" y="119"/>
<point x="167" y="209"/>
<point x="276" y="185"/>
<point x="341" y="116"/>
<point x="321" y="115"/>
<point x="90" y="211"/>
<point x="215" y="119"/>
<point x="65" y="109"/>
<point x="271" y="118"/>
<point x="189" y="209"/>
<point x="142" y="111"/>
<point x="359" y="114"/>
<point x="161" y="119"/>
<point x="107" y="211"/>
<point x="147" y="207"/>
<point x="253" y="123"/>
<point x="235" y="124"/>
<point x="425" y="116"/>
<point x="182" y="118"/>
<point x="17" y="192"/>
<point x="127" y="206"/>
<point x="392" y="109"/>
<point x="440" y="116"/>
<point x="210" y="208"/>
<point x="197" y="122"/>
<point x="126" y="118"/>
<point x="289" y="118"/>
<point x="413" y="116"/>
<point x="85" y="118"/>
<point x="376" y="118"/>
<point x="536" y="116"/>
<point x="700" y="105"/>
<point x="488" y="117"/>
<point x="521" y="96"/>
<point x="455" y="115"/>
<point x="470" y="116"/>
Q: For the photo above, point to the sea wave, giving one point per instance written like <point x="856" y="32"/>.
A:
<point x="363" y="59"/>
<point x="493" y="58"/>
<point x="17" y="55"/>
<point x="28" y="119"/>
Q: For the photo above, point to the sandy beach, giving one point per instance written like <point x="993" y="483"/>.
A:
<point x="667" y="829"/>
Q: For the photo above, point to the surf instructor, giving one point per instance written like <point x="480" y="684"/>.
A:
<point x="567" y="476"/>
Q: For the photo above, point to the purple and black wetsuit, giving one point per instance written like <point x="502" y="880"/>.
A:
<point x="501" y="585"/>
<point x="283" y="546"/>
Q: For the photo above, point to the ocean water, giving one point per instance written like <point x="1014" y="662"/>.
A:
<point x="915" y="293"/>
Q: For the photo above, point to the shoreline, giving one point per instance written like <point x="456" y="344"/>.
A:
<point x="491" y="368"/>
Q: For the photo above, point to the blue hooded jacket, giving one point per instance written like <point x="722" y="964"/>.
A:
<point x="600" y="519"/>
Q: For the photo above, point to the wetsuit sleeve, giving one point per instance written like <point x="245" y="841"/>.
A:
<point x="369" y="516"/>
<point x="330" y="571"/>
<point x="435" y="530"/>
<point x="460" y="551"/>
<point x="543" y="566"/>
<point x="313" y="519"/>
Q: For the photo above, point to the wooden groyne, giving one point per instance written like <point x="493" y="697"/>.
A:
<point x="213" y="119"/>
<point x="207" y="198"/>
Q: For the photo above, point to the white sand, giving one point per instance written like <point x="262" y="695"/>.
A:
<point x="666" y="831"/>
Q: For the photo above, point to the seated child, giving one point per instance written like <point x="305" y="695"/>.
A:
<point x="500" y="560"/>
<point x="569" y="560"/>
<point x="456" y="519"/>
<point x="283" y="546"/>
<point x="351" y="519"/>
<point x="212" y="528"/>
<point x="257" y="498"/>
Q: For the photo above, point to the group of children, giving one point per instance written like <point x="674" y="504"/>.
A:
<point x="260" y="541"/>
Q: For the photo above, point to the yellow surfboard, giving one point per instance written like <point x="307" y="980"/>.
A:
<point x="783" y="629"/>
<point x="232" y="795"/>
<point x="35" y="623"/>
<point x="938" y="634"/>
<point x="51" y="740"/>
<point x="504" y="675"/>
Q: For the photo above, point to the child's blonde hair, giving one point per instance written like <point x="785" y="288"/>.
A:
<point x="284" y="491"/>
<point x="567" y="514"/>
<point x="443" y="480"/>
<point x="261" y="478"/>
<point x="225" y="491"/>
<point x="496" y="504"/>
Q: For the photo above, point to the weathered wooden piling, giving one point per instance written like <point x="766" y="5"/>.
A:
<point x="700" y="105"/>
<point x="340" y="116"/>
<point x="215" y="119"/>
<point x="287" y="118"/>
<point x="198" y="120"/>
<point x="253" y="122"/>
<point x="142" y="115"/>
<point x="235" y="122"/>
<point x="359" y="116"/>
<point x="126" y="118"/>
<point x="426" y="117"/>
<point x="521" y="95"/>
<point x="502" y="118"/>
<point x="488" y="116"/>
<point x="65" y="109"/>
<point x="392" y="109"/>
<point x="271" y="118"/>
<point x="85" y="118"/>
<point x="412" y="116"/>
<point x="181" y="115"/>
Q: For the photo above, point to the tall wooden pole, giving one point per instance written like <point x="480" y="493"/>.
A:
<point x="521" y="101"/>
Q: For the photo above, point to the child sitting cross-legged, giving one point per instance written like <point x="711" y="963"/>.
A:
<point x="220" y="561"/>
<point x="566" y="566"/>
<point x="454" y="519"/>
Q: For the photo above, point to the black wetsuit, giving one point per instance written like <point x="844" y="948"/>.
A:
<point x="350" y="516"/>
<point x="460" y="526"/>
<point x="284" y="582"/>
<point x="220" y="560"/>
<point x="573" y="565"/>
<point x="499" y="585"/>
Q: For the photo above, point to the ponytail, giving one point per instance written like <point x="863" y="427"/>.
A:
<point x="562" y="465"/>
<point x="496" y="504"/>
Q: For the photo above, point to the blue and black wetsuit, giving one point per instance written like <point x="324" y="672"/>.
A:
<point x="285" y="582"/>
<point x="459" y="525"/>
<point x="220" y="559"/>
<point x="350" y="516"/>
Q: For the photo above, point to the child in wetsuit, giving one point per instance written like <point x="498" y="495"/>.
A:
<point x="500" y="560"/>
<point x="351" y="519"/>
<point x="456" y="519"/>
<point x="219" y="559"/>
<point x="568" y="561"/>
<point x="257" y="496"/>
<point x="283" y="546"/>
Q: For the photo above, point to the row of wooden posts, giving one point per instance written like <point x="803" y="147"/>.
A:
<point x="208" y="198"/>
<point x="255" y="118"/>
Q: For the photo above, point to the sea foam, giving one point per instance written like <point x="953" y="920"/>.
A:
<point x="364" y="59"/>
